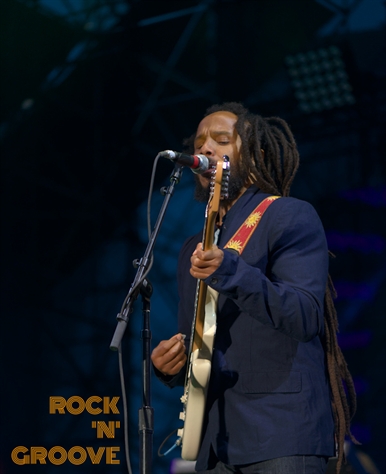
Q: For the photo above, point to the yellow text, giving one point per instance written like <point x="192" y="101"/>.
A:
<point x="76" y="405"/>
<point x="58" y="455"/>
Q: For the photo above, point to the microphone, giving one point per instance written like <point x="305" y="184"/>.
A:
<point x="199" y="164"/>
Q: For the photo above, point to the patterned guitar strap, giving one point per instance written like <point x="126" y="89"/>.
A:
<point x="241" y="237"/>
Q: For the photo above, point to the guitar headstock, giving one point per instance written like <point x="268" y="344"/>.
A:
<point x="219" y="183"/>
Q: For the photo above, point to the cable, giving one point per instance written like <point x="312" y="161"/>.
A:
<point x="152" y="178"/>
<point x="177" y="443"/>
<point x="120" y="360"/>
<point x="125" y="412"/>
<point x="125" y="302"/>
<point x="151" y="259"/>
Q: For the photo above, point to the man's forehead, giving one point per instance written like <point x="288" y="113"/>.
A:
<point x="218" y="119"/>
<point x="224" y="113"/>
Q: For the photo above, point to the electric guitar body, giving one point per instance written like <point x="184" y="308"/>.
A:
<point x="203" y="330"/>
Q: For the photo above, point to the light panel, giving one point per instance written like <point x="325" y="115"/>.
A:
<point x="320" y="79"/>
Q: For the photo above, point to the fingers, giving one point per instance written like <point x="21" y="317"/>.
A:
<point x="206" y="255"/>
<point x="205" y="262"/>
<point x="169" y="356"/>
<point x="169" y="346"/>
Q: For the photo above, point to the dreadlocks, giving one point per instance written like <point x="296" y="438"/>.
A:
<point x="338" y="372"/>
<point x="270" y="156"/>
<point x="270" y="160"/>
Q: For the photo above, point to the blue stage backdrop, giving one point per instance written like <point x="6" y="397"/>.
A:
<point x="90" y="92"/>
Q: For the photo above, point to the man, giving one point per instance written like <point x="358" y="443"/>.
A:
<point x="276" y="365"/>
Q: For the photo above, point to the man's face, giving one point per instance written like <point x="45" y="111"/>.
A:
<point x="216" y="136"/>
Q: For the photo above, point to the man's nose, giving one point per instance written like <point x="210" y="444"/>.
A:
<point x="207" y="148"/>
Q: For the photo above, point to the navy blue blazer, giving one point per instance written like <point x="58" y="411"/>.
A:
<point x="268" y="394"/>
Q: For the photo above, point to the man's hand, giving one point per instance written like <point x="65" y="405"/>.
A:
<point x="205" y="262"/>
<point x="169" y="356"/>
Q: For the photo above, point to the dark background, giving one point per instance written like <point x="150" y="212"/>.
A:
<point x="90" y="92"/>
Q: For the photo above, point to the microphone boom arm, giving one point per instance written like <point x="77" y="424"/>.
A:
<point x="144" y="262"/>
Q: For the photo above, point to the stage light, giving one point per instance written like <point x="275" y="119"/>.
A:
<point x="320" y="80"/>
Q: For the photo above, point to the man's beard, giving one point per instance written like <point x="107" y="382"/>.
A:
<point x="235" y="185"/>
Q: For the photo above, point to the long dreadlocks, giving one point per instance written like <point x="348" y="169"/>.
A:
<point x="270" y="156"/>
<point x="270" y="160"/>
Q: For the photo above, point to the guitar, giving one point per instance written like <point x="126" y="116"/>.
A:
<point x="203" y="330"/>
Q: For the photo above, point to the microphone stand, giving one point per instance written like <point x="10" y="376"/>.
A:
<point x="141" y="285"/>
<point x="145" y="416"/>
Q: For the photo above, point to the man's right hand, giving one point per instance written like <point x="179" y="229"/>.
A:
<point x="169" y="356"/>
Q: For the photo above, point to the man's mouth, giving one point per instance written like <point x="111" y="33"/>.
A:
<point x="207" y="174"/>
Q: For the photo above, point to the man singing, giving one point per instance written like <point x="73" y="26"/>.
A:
<point x="275" y="403"/>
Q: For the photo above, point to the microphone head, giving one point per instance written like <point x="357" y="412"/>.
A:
<point x="203" y="166"/>
<point x="199" y="164"/>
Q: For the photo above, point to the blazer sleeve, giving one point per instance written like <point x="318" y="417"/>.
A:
<point x="288" y="293"/>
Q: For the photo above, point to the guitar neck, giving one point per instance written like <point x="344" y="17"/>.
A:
<point x="207" y="243"/>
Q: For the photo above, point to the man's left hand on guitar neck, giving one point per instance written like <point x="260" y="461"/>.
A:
<point x="205" y="262"/>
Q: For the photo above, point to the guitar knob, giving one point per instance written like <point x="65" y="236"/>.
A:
<point x="183" y="398"/>
<point x="182" y="416"/>
<point x="180" y="432"/>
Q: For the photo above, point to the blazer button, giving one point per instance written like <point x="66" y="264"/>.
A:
<point x="214" y="281"/>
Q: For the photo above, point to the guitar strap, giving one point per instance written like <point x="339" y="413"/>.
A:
<point x="245" y="231"/>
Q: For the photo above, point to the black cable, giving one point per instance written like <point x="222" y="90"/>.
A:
<point x="125" y="411"/>
<point x="138" y="284"/>
<point x="177" y="443"/>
